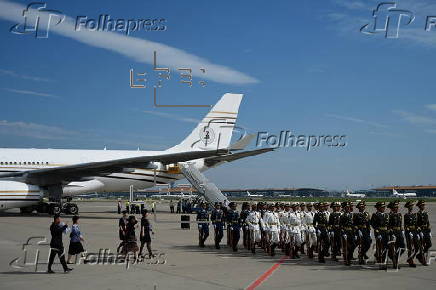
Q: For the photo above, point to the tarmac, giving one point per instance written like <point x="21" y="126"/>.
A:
<point x="181" y="264"/>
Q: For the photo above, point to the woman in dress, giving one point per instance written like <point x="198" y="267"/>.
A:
<point x="145" y="234"/>
<point x="131" y="245"/>
<point x="76" y="240"/>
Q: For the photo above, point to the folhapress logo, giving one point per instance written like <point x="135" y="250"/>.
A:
<point x="38" y="20"/>
<point x="388" y="19"/>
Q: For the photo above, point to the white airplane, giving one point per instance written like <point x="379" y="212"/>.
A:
<point x="403" y="195"/>
<point x="253" y="195"/>
<point x="358" y="195"/>
<point x="26" y="175"/>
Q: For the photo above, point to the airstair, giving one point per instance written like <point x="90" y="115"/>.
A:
<point x="204" y="187"/>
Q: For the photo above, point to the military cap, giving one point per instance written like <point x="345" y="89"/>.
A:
<point x="380" y="204"/>
<point x="335" y="203"/>
<point x="287" y="204"/>
<point x="232" y="203"/>
<point x="294" y="204"/>
<point x="302" y="204"/>
<point x="393" y="204"/>
<point x="309" y="203"/>
<point x="361" y="203"/>
<point x="409" y="204"/>
<point x="420" y="202"/>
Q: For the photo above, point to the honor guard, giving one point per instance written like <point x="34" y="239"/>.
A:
<point x="303" y="226"/>
<point x="380" y="222"/>
<point x="347" y="231"/>
<point x="254" y="221"/>
<point x="320" y="222"/>
<point x="335" y="230"/>
<point x="294" y="231"/>
<point x="424" y="231"/>
<point x="362" y="226"/>
<point x="396" y="234"/>
<point x="217" y="218"/>
<point x="244" y="213"/>
<point x="234" y="226"/>
<point x="272" y="226"/>
<point x="411" y="233"/>
<point x="309" y="231"/>
<point x="203" y="225"/>
<point x="283" y="218"/>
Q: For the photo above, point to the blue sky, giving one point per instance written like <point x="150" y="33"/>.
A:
<point x="303" y="66"/>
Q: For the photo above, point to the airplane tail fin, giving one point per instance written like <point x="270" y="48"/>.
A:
<point x="216" y="128"/>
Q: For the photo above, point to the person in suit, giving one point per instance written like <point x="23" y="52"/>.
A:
<point x="56" y="245"/>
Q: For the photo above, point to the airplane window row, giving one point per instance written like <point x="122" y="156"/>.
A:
<point x="23" y="163"/>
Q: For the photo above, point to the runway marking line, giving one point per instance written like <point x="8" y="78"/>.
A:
<point x="262" y="278"/>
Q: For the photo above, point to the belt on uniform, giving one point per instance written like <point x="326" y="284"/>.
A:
<point x="348" y="228"/>
<point x="396" y="228"/>
<point x="362" y="227"/>
<point x="424" y="227"/>
<point x="217" y="221"/>
<point x="411" y="228"/>
<point x="272" y="224"/>
<point x="383" y="228"/>
<point x="202" y="220"/>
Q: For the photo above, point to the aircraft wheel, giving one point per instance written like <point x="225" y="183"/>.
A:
<point x="55" y="209"/>
<point x="73" y="209"/>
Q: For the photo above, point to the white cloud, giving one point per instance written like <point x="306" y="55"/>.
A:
<point x="23" y="76"/>
<point x="34" y="130"/>
<point x="356" y="120"/>
<point x="431" y="107"/>
<point x="415" y="119"/>
<point x="173" y="117"/>
<point x="33" y="93"/>
<point x="138" y="49"/>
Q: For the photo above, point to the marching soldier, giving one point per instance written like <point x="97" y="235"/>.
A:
<point x="217" y="218"/>
<point x="396" y="246"/>
<point x="294" y="231"/>
<point x="362" y="225"/>
<point x="234" y="226"/>
<point x="424" y="231"/>
<point x="254" y="220"/>
<point x="335" y="230"/>
<point x="303" y="227"/>
<point x="272" y="225"/>
<point x="347" y="230"/>
<point x="283" y="219"/>
<point x="320" y="221"/>
<point x="310" y="232"/>
<point x="203" y="228"/>
<point x="380" y="222"/>
<point x="411" y="233"/>
<point x="245" y="234"/>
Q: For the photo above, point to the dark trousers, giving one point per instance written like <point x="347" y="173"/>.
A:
<point x="426" y="240"/>
<point x="349" y="245"/>
<point x="150" y="253"/>
<point x="172" y="209"/>
<point x="60" y="253"/>
<point x="203" y="233"/>
<point x="323" y="244"/>
<point x="335" y="243"/>
<point x="236" y="235"/>
<point x="219" y="233"/>
<point x="364" y="242"/>
<point x="119" y="209"/>
<point x="382" y="240"/>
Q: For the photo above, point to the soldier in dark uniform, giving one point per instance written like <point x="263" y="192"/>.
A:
<point x="424" y="231"/>
<point x="320" y="221"/>
<point x="411" y="233"/>
<point x="56" y="244"/>
<point x="217" y="218"/>
<point x="144" y="235"/>
<point x="396" y="245"/>
<point x="245" y="234"/>
<point x="203" y="225"/>
<point x="348" y="231"/>
<point x="380" y="222"/>
<point x="335" y="230"/>
<point x="362" y="227"/>
<point x="234" y="221"/>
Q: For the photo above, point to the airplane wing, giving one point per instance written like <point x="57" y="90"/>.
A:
<point x="212" y="161"/>
<point x="62" y="174"/>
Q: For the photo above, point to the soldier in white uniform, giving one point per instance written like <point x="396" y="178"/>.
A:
<point x="272" y="226"/>
<point x="309" y="231"/>
<point x="294" y="231"/>
<point x="254" y="222"/>
<point x="303" y="226"/>
<point x="283" y="230"/>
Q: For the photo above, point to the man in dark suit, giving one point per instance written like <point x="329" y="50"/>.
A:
<point x="56" y="245"/>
